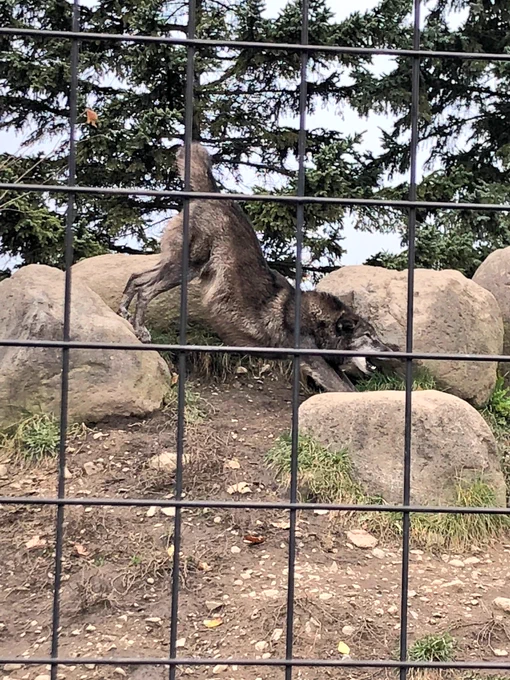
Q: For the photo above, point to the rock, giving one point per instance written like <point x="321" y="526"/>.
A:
<point x="361" y="538"/>
<point x="213" y="605"/>
<point x="472" y="560"/>
<point x="451" y="314"/>
<point x="261" y="646"/>
<point x="494" y="275"/>
<point x="450" y="439"/>
<point x="348" y="631"/>
<point x="380" y="554"/>
<point x="456" y="563"/>
<point x="8" y="667"/>
<point x="107" y="276"/>
<point x="277" y="634"/>
<point x="90" y="468"/>
<point x="44" y="676"/>
<point x="220" y="668"/>
<point x="497" y="652"/>
<point x="167" y="461"/>
<point x="456" y="585"/>
<point x="102" y="383"/>
<point x="502" y="603"/>
<point x="4" y="470"/>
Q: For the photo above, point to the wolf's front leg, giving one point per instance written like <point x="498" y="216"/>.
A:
<point x="325" y="376"/>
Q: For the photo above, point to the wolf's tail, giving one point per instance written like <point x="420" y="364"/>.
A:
<point x="201" y="177"/>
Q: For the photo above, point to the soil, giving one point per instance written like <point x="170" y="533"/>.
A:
<point x="117" y="564"/>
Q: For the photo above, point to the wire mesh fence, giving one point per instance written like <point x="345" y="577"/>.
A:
<point x="74" y="36"/>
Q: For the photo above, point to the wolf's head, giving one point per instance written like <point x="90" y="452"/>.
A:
<point x="335" y="325"/>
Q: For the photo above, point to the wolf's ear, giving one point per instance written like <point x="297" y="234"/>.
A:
<point x="347" y="299"/>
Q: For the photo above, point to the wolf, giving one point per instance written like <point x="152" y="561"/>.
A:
<point x="248" y="303"/>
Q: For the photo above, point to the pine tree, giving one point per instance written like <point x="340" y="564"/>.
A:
<point x="464" y="126"/>
<point x="137" y="92"/>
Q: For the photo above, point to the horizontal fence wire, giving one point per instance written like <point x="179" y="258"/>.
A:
<point x="247" y="44"/>
<point x="411" y="205"/>
<point x="263" y="198"/>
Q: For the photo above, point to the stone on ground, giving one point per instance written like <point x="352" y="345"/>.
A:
<point x="452" y="314"/>
<point x="450" y="442"/>
<point x="102" y="383"/>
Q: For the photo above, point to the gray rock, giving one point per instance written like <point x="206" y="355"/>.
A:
<point x="452" y="314"/>
<point x="450" y="441"/>
<point x="102" y="383"/>
<point x="494" y="275"/>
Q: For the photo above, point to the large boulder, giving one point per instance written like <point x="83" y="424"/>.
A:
<point x="450" y="442"/>
<point x="452" y="314"/>
<point x="107" y="276"/>
<point x="494" y="275"/>
<point x="102" y="383"/>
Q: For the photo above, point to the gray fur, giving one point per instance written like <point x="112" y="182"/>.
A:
<point x="248" y="303"/>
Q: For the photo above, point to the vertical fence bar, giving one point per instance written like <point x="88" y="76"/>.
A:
<point x="296" y="364"/>
<point x="183" y="318"/>
<point x="64" y="393"/>
<point x="415" y="94"/>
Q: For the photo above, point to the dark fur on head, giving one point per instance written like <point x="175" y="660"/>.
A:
<point x="247" y="303"/>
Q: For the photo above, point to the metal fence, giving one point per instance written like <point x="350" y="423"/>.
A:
<point x="172" y="662"/>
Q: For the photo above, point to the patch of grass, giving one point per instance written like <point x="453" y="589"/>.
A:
<point x="497" y="409"/>
<point x="35" y="438"/>
<point x="215" y="365"/>
<point x="323" y="475"/>
<point x="439" y="647"/>
<point x="497" y="415"/>
<point x="380" y="381"/>
<point x="195" y="406"/>
<point x="449" y="531"/>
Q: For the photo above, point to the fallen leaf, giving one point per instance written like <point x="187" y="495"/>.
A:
<point x="80" y="550"/>
<point x="212" y="623"/>
<point x="91" y="117"/>
<point x="169" y="512"/>
<point x="170" y="550"/>
<point x="254" y="540"/>
<point x="35" y="542"/>
<point x="343" y="648"/>
<point x="240" y="487"/>
<point x="174" y="379"/>
<point x="233" y="464"/>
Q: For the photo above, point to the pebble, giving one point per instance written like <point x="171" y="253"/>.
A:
<point x="361" y="538"/>
<point x="180" y="642"/>
<point x="45" y="676"/>
<point x="271" y="592"/>
<point x="497" y="652"/>
<point x="261" y="646"/>
<point x="220" y="668"/>
<point x="152" y="511"/>
<point x="120" y="671"/>
<point x="456" y="584"/>
<point x="89" y="467"/>
<point x="235" y="549"/>
<point x="12" y="667"/>
<point x="502" y="603"/>
<point x="377" y="552"/>
<point x="347" y="631"/>
<point x="456" y="563"/>
<point x="277" y="634"/>
<point x="471" y="560"/>
<point x="212" y="605"/>
<point x="3" y="470"/>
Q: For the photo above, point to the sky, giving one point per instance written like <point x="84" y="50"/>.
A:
<point x="359" y="245"/>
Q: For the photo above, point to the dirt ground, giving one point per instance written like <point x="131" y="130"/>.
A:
<point x="117" y="561"/>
